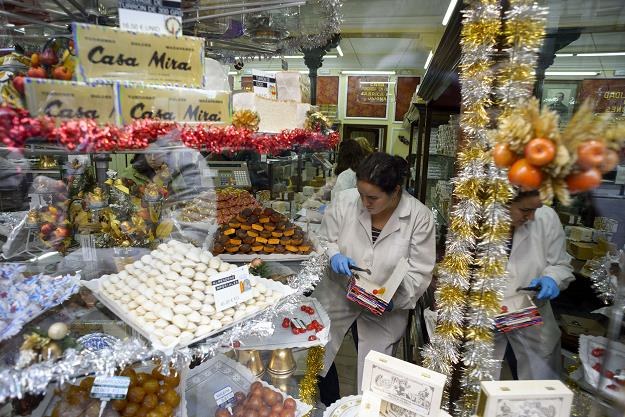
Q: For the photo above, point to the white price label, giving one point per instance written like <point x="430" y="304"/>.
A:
<point x="620" y="175"/>
<point x="110" y="387"/>
<point x="224" y="397"/>
<point x="232" y="287"/>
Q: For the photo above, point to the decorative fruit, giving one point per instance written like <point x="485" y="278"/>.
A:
<point x="590" y="154"/>
<point x="61" y="232"/>
<point x="36" y="72"/>
<point x="48" y="57"/>
<point x="46" y="228"/>
<point x="35" y="60"/>
<point x="610" y="161"/>
<point x="62" y="73"/>
<point x="540" y="151"/>
<point x="18" y="83"/>
<point x="504" y="156"/>
<point x="584" y="180"/>
<point x="525" y="175"/>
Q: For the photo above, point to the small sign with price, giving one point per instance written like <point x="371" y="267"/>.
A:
<point x="232" y="287"/>
<point x="110" y="387"/>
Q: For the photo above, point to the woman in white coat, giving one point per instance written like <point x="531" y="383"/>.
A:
<point x="350" y="155"/>
<point x="537" y="259"/>
<point x="373" y="226"/>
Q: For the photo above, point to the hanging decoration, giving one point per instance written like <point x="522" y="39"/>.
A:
<point x="246" y="119"/>
<point x="481" y="27"/>
<point x="308" y="388"/>
<point x="604" y="276"/>
<point x="85" y="135"/>
<point x="559" y="164"/>
<point x="15" y="383"/>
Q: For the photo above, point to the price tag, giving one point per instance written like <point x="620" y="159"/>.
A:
<point x="232" y="287"/>
<point x="110" y="387"/>
<point x="620" y="175"/>
<point x="224" y="397"/>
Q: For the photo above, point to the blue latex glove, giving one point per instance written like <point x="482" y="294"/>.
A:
<point x="389" y="307"/>
<point x="340" y="264"/>
<point x="322" y="208"/>
<point x="548" y="288"/>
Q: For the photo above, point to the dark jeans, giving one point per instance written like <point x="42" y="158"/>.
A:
<point x="329" y="391"/>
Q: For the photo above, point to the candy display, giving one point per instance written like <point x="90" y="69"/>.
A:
<point x="218" y="205"/>
<point x="260" y="400"/>
<point x="168" y="294"/>
<point x="262" y="231"/>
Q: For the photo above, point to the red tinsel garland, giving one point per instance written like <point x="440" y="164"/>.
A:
<point x="85" y="135"/>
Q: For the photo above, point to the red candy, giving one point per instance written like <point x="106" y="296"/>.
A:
<point x="236" y="344"/>
<point x="597" y="352"/>
<point x="286" y="322"/>
<point x="312" y="337"/>
<point x="609" y="374"/>
<point x="597" y="367"/>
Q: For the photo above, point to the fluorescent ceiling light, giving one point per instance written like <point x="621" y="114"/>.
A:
<point x="376" y="82"/>
<point x="339" y="50"/>
<point x="368" y="72"/>
<point x="304" y="72"/>
<point x="450" y="10"/>
<point x="561" y="55"/>
<point x="427" y="61"/>
<point x="622" y="53"/>
<point x="9" y="25"/>
<point x="571" y="73"/>
<point x="232" y="72"/>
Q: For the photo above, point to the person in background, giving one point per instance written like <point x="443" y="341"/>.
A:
<point x="365" y="144"/>
<point x="373" y="226"/>
<point x="538" y="259"/>
<point x="350" y="155"/>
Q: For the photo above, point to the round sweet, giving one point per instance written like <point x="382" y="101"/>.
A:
<point x="158" y="298"/>
<point x="168" y="302"/>
<point x="113" y="278"/>
<point x="163" y="247"/>
<point x="205" y="257"/>
<point x="195" y="305"/>
<point x="182" y="309"/>
<point x="187" y="272"/>
<point x="240" y="307"/>
<point x="200" y="276"/>
<point x="261" y="288"/>
<point x="194" y="316"/>
<point x="191" y="326"/>
<point x="183" y="289"/>
<point x="181" y="321"/>
<point x="133" y="282"/>
<point x="260" y="298"/>
<point x="218" y="315"/>
<point x="149" y="316"/>
<point x="159" y="333"/>
<point x="140" y="311"/>
<point x="203" y="329"/>
<point x="207" y="309"/>
<point x="141" y="288"/>
<point x="138" y="264"/>
<point x="159" y="289"/>
<point x="224" y="267"/>
<point x="133" y="293"/>
<point x="229" y="312"/>
<point x="147" y="259"/>
<point x="209" y="299"/>
<point x="185" y="281"/>
<point x="205" y="320"/>
<point x="148" y="292"/>
<point x="239" y="314"/>
<point x="150" y="306"/>
<point x="214" y="263"/>
<point x="198" y="285"/>
<point x="193" y="256"/>
<point x="151" y="282"/>
<point x="154" y="272"/>
<point x="176" y="267"/>
<point x="182" y="299"/>
<point x="172" y="330"/>
<point x="132" y="305"/>
<point x="211" y="272"/>
<point x="165" y="313"/>
<point x="227" y="320"/>
<point x="125" y="298"/>
<point x="209" y="289"/>
<point x="149" y="328"/>
<point x="161" y="324"/>
<point x="169" y="293"/>
<point x="216" y="324"/>
<point x="170" y="284"/>
<point x="186" y="337"/>
<point x="201" y="267"/>
<point x="130" y="268"/>
<point x="198" y="295"/>
<point x="177" y="257"/>
<point x="169" y="340"/>
<point x="58" y="331"/>
<point x="252" y="309"/>
<point x="166" y="259"/>
<point x="123" y="275"/>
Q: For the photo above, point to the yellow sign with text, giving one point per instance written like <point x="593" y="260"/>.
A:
<point x="106" y="53"/>
<point x="70" y="100"/>
<point x="184" y="105"/>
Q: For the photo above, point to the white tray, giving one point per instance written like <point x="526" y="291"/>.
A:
<point x="240" y="258"/>
<point x="345" y="407"/>
<point x="216" y="374"/>
<point x="94" y="286"/>
<point x="284" y="338"/>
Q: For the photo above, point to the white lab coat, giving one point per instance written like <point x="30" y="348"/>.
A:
<point x="409" y="233"/>
<point x="344" y="181"/>
<point x="538" y="249"/>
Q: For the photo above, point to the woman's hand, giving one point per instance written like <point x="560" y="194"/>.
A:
<point x="548" y="288"/>
<point x="341" y="263"/>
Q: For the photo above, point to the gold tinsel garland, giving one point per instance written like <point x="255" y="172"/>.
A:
<point x="308" y="389"/>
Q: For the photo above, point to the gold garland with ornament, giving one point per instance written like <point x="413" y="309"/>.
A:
<point x="308" y="388"/>
<point x="558" y="163"/>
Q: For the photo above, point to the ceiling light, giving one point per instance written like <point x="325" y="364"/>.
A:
<point x="427" y="61"/>
<point x="339" y="50"/>
<point x="368" y="72"/>
<point x="621" y="53"/>
<point x="564" y="73"/>
<point x="9" y="25"/>
<point x="450" y="10"/>
<point x="233" y="72"/>
<point x="561" y="55"/>
<point x="304" y="72"/>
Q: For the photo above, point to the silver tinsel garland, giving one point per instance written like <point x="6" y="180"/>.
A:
<point x="16" y="383"/>
<point x="603" y="278"/>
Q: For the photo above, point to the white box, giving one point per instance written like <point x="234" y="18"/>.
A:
<point x="517" y="398"/>
<point x="403" y="384"/>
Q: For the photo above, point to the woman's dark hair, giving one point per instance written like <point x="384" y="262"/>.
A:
<point x="523" y="194"/>
<point x="140" y="164"/>
<point x="350" y="155"/>
<point x="384" y="170"/>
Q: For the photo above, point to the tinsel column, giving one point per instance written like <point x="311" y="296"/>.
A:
<point x="481" y="27"/>
<point x="523" y="31"/>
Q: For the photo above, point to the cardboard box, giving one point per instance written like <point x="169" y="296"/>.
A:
<point x="403" y="384"/>
<point x="579" y="233"/>
<point x="575" y="326"/>
<point x="520" y="398"/>
<point x="581" y="250"/>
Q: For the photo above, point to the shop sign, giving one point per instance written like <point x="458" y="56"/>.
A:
<point x="608" y="95"/>
<point x="367" y="97"/>
<point x="106" y="53"/>
<point x="70" y="100"/>
<point x="151" y="16"/>
<point x="184" y="105"/>
<point x="372" y="92"/>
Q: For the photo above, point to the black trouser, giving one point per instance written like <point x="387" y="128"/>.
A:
<point x="329" y="390"/>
